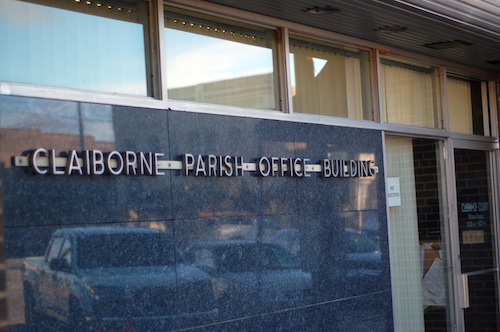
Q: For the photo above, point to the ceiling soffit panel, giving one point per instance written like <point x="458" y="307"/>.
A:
<point x="473" y="29"/>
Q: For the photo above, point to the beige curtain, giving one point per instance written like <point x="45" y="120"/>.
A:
<point x="404" y="239"/>
<point x="333" y="89"/>
<point x="409" y="96"/>
<point x="459" y="106"/>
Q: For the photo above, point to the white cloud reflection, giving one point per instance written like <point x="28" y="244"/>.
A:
<point x="210" y="60"/>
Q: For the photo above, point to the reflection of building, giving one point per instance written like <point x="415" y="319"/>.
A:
<point x="258" y="92"/>
<point x="17" y="140"/>
<point x="410" y="86"/>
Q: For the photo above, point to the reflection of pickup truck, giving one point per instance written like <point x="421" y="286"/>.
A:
<point x="265" y="229"/>
<point x="114" y="278"/>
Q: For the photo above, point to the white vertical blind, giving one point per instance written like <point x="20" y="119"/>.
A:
<point x="409" y="96"/>
<point x="460" y="105"/>
<point x="326" y="83"/>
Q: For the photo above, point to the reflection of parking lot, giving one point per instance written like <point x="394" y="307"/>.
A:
<point x="251" y="276"/>
<point x="264" y="229"/>
<point x="15" y="303"/>
<point x="114" y="278"/>
<point x="363" y="255"/>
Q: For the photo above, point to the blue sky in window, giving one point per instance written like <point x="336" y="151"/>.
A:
<point x="51" y="46"/>
<point x="195" y="59"/>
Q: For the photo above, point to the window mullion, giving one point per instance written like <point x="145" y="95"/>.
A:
<point x="157" y="49"/>
<point x="285" y="85"/>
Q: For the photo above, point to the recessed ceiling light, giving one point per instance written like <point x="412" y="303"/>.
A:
<point x="391" y="29"/>
<point x="448" y="44"/>
<point x="322" y="10"/>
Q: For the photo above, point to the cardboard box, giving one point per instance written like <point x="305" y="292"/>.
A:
<point x="429" y="252"/>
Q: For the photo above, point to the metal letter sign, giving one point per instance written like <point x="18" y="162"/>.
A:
<point x="94" y="162"/>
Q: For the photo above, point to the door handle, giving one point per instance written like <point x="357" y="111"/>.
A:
<point x="464" y="291"/>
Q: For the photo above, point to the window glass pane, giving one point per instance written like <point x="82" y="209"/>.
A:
<point x="468" y="106"/>
<point x="66" y="43"/>
<point x="475" y="215"/>
<point x="409" y="93"/>
<point x="219" y="62"/>
<point x="329" y="80"/>
<point x="54" y="248"/>
<point x="478" y="239"/>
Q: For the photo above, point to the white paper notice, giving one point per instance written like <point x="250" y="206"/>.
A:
<point x="433" y="284"/>
<point x="393" y="192"/>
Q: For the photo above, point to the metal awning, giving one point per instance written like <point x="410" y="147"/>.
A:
<point x="465" y="32"/>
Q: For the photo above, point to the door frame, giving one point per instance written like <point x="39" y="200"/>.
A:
<point x="460" y="284"/>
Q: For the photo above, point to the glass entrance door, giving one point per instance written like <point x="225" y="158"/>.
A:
<point x="418" y="233"/>
<point x="477" y="281"/>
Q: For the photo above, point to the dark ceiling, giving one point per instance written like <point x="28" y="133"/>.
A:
<point x="475" y="32"/>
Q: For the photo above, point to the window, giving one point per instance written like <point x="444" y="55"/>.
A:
<point x="124" y="250"/>
<point x="328" y="80"/>
<point x="66" y="252"/>
<point x="65" y="43"/>
<point x="219" y="62"/>
<point x="468" y="106"/>
<point x="409" y="93"/>
<point x="54" y="248"/>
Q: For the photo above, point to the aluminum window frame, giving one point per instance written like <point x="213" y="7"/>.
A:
<point x="160" y="100"/>
<point x="269" y="34"/>
<point x="91" y="11"/>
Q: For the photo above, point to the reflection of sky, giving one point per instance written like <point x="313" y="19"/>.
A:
<point x="318" y="64"/>
<point x="58" y="117"/>
<point x="51" y="46"/>
<point x="98" y="122"/>
<point x="193" y="59"/>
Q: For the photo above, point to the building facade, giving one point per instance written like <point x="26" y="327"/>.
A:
<point x="257" y="166"/>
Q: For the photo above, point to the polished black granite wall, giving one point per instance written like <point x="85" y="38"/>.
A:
<point x="282" y="253"/>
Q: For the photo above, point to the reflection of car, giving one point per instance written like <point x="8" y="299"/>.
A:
<point x="363" y="255"/>
<point x="116" y="278"/>
<point x="251" y="276"/>
<point x="265" y="229"/>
